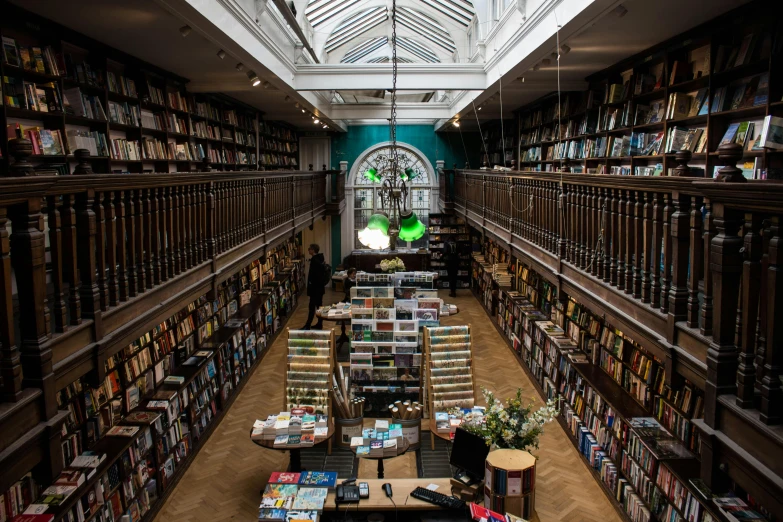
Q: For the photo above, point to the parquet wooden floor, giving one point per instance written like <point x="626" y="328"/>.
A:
<point x="224" y="480"/>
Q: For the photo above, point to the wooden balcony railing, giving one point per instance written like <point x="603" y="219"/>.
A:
<point x="82" y="247"/>
<point x="696" y="264"/>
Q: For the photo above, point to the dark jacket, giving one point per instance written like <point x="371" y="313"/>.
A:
<point x="347" y="285"/>
<point x="316" y="276"/>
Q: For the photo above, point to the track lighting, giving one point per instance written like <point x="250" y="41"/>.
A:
<point x="565" y="49"/>
<point x="221" y="54"/>
<point x="240" y="67"/>
<point x="254" y="79"/>
<point x="267" y="85"/>
<point x="185" y="30"/>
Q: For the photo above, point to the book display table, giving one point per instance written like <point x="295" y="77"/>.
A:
<point x="295" y="465"/>
<point x="400" y="451"/>
<point x="341" y="320"/>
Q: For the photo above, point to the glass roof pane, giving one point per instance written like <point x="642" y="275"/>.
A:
<point x="362" y="50"/>
<point x="355" y="26"/>
<point x="460" y="12"/>
<point x="321" y="11"/>
<point x="415" y="48"/>
<point x="427" y="27"/>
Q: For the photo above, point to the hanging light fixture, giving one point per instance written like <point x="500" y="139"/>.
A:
<point x="393" y="173"/>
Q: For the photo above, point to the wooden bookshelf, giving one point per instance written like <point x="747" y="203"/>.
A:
<point x="140" y="118"/>
<point x="709" y="64"/>
<point x="442" y="229"/>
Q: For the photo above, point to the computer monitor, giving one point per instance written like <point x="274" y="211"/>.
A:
<point x="469" y="453"/>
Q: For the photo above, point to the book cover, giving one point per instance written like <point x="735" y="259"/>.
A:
<point x="272" y="514"/>
<point x="326" y="479"/>
<point x="284" y="477"/>
<point x="301" y="516"/>
<point x="310" y="499"/>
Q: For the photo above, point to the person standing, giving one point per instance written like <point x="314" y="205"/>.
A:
<point x="348" y="283"/>
<point x="315" y="285"/>
<point x="452" y="265"/>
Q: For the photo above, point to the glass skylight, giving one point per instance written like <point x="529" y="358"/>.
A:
<point x="355" y="25"/>
<point x="417" y="49"/>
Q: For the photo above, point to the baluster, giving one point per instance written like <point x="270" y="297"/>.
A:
<point x="70" y="265"/>
<point x="141" y="269"/>
<point x="638" y="232"/>
<point x="655" y="253"/>
<point x="210" y="221"/>
<point x="246" y="213"/>
<point x="706" y="306"/>
<point x="222" y="225"/>
<point x="10" y="364"/>
<point x="562" y="213"/>
<point x="55" y="251"/>
<point x="630" y="227"/>
<point x="595" y="227"/>
<point x="111" y="248"/>
<point x="751" y="289"/>
<point x="647" y="246"/>
<point x="667" y="254"/>
<point x="174" y="241"/>
<point x="233" y="216"/>
<point x="163" y="232"/>
<point x="614" y="236"/>
<point x="602" y="271"/>
<point x="771" y="394"/>
<point x="696" y="264"/>
<point x="191" y="225"/>
<point x="573" y="224"/>
<point x="582" y="213"/>
<point x="100" y="251"/>
<point x="203" y="213"/>
<point x="622" y="234"/>
<point x="122" y="242"/>
<point x="151" y="204"/>
<point x="130" y="238"/>
<point x="678" y="292"/>
<point x="553" y="218"/>
<point x="726" y="264"/>
<point x="187" y="227"/>
<point x="28" y="245"/>
<point x="182" y="234"/>
<point x="607" y="224"/>
<point x="761" y="326"/>
<point x="87" y="242"/>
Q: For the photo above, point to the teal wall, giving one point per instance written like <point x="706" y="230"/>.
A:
<point x="446" y="146"/>
<point x="435" y="146"/>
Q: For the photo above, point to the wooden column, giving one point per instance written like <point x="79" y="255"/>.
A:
<point x="678" y="293"/>
<point x="622" y="232"/>
<point x="10" y="364"/>
<point x="751" y="275"/>
<point x="614" y="236"/>
<point x="771" y="393"/>
<point x="726" y="265"/>
<point x="29" y="264"/>
<point x="638" y="232"/>
<point x="210" y="217"/>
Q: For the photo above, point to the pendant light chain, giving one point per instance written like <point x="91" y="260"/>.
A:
<point x="393" y="121"/>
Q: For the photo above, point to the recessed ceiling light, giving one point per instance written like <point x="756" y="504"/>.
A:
<point x="185" y="30"/>
<point x="221" y="54"/>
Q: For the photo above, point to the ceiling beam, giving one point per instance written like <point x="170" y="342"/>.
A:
<point x="405" y="111"/>
<point x="431" y="76"/>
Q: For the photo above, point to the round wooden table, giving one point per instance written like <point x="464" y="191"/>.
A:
<point x="400" y="451"/>
<point x="295" y="465"/>
<point x="339" y="319"/>
<point x="434" y="433"/>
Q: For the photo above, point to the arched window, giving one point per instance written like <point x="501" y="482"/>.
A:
<point x="366" y="199"/>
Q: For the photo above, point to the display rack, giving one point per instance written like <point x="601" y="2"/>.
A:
<point x="310" y="371"/>
<point x="448" y="352"/>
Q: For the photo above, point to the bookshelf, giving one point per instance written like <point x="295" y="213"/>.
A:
<point x="501" y="142"/>
<point x="686" y="92"/>
<point x="130" y="115"/>
<point x="636" y="440"/>
<point x="176" y="381"/>
<point x="444" y="228"/>
<point x="510" y="485"/>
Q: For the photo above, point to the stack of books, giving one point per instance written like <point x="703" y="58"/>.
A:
<point x="296" y="496"/>
<point x="303" y="427"/>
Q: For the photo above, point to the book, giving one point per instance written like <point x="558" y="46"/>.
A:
<point x="279" y="496"/>
<point x="123" y="431"/>
<point x="271" y="514"/>
<point x="772" y="133"/>
<point x="284" y="477"/>
<point x="310" y="499"/>
<point x="730" y="134"/>
<point x="301" y="516"/>
<point x="281" y="441"/>
<point x="10" y="52"/>
<point x="327" y="479"/>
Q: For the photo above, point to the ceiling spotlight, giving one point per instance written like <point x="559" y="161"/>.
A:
<point x="316" y="121"/>
<point x="545" y="62"/>
<point x="296" y="105"/>
<point x="254" y="79"/>
<point x="620" y="11"/>
<point x="554" y="56"/>
<point x="565" y="49"/>
<point x="455" y="123"/>
<point x="240" y="67"/>
<point x="523" y="79"/>
<point x="480" y="107"/>
<point x="325" y="126"/>
<point x="266" y="85"/>
<point x="287" y="98"/>
<point x="536" y="66"/>
<point x="185" y="30"/>
<point x="221" y="54"/>
<point x="303" y="110"/>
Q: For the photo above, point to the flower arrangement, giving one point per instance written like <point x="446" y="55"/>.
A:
<point x="392" y="265"/>
<point x="512" y="425"/>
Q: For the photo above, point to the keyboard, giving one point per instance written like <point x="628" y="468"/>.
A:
<point x="439" y="499"/>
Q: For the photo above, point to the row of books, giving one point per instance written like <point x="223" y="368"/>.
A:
<point x="37" y="59"/>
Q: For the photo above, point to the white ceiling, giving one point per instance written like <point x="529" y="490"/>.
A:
<point x="144" y="29"/>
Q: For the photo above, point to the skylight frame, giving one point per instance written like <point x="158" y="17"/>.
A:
<point x="363" y="49"/>
<point x="417" y="49"/>
<point x="319" y="12"/>
<point x="428" y="28"/>
<point x="460" y="12"/>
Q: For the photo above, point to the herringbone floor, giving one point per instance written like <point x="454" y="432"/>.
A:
<point x="224" y="480"/>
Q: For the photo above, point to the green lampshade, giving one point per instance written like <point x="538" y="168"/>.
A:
<point x="376" y="234"/>
<point x="409" y="174"/>
<point x="411" y="228"/>
<point x="372" y="175"/>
